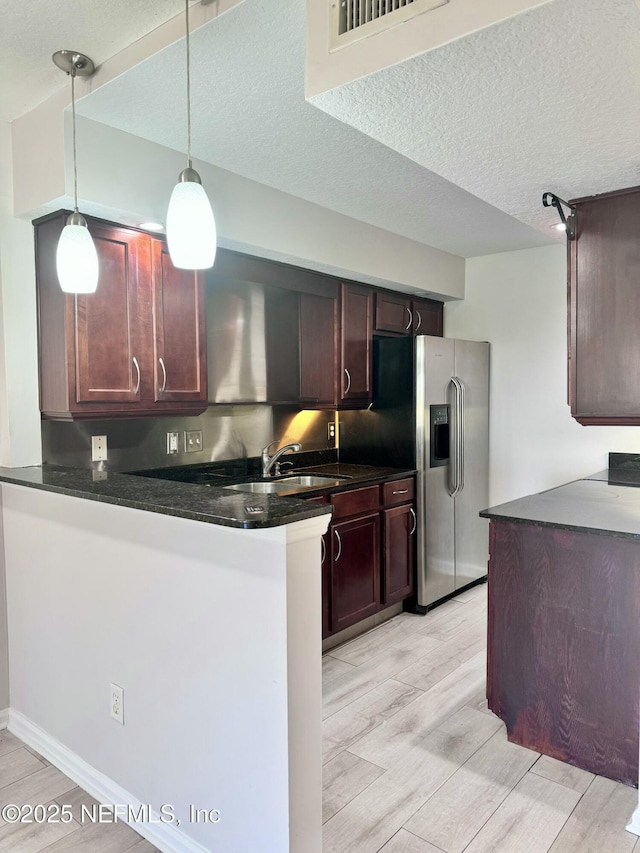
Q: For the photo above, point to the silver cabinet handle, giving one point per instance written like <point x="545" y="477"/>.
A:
<point x="348" y="382"/>
<point x="401" y="492"/>
<point x="339" y="546"/>
<point x="410" y="323"/>
<point x="164" y="374"/>
<point x="419" y="316"/>
<point x="137" y="367"/>
<point x="323" y="551"/>
<point x="415" y="521"/>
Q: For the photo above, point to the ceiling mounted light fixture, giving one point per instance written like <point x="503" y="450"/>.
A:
<point x="567" y="223"/>
<point x="191" y="228"/>
<point x="76" y="256"/>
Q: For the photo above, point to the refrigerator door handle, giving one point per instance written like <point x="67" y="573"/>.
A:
<point x="456" y="466"/>
<point x="461" y="415"/>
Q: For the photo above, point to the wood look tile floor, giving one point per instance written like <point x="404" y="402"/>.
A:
<point x="414" y="762"/>
<point x="26" y="778"/>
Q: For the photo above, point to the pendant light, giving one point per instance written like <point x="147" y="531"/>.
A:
<point x="191" y="228"/>
<point x="76" y="257"/>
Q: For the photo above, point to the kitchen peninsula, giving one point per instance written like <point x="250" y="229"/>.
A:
<point x="212" y="630"/>
<point x="564" y="620"/>
<point x="204" y="604"/>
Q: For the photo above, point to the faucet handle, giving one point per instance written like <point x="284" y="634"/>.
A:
<point x="265" y="450"/>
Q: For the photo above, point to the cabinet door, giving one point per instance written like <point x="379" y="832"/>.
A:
<point x="355" y="570"/>
<point x="399" y="526"/>
<point x="393" y="313"/>
<point x="317" y="350"/>
<point x="107" y="337"/>
<point x="326" y="585"/>
<point x="356" y="339"/>
<point x="179" y="332"/>
<point x="427" y="317"/>
<point x="604" y="351"/>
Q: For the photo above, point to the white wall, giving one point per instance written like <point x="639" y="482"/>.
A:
<point x="19" y="408"/>
<point x="191" y="619"/>
<point x="128" y="179"/>
<point x="518" y="302"/>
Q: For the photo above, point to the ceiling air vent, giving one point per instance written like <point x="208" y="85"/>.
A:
<point x="356" y="19"/>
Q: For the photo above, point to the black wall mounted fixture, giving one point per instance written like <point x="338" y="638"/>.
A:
<point x="569" y="222"/>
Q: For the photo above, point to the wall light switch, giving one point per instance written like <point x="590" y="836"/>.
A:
<point x="98" y="448"/>
<point x="193" y="440"/>
<point x="173" y="439"/>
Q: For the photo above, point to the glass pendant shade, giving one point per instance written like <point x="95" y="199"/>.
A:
<point x="191" y="228"/>
<point x="77" y="260"/>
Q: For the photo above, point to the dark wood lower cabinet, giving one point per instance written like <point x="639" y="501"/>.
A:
<point x="398" y="529"/>
<point x="368" y="553"/>
<point x="355" y="570"/>
<point x="564" y="632"/>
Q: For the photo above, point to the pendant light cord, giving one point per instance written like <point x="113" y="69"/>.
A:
<point x="188" y="87"/>
<point x="75" y="157"/>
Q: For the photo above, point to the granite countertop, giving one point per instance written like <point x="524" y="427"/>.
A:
<point x="606" y="503"/>
<point x="210" y="504"/>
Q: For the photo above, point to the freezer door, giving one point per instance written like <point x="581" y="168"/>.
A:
<point x="435" y="506"/>
<point x="471" y="531"/>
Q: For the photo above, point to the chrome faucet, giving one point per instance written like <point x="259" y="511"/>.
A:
<point x="271" y="462"/>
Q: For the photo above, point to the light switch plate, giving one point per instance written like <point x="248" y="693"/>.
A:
<point x="193" y="440"/>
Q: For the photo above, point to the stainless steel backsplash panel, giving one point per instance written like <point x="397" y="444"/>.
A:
<point x="228" y="432"/>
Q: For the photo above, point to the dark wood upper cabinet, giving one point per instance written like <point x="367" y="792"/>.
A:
<point x="106" y="366"/>
<point x="356" y="337"/>
<point x="102" y="354"/>
<point x="427" y="319"/>
<point x="318" y="363"/>
<point x="398" y="314"/>
<point x="179" y="330"/>
<point x="393" y="313"/>
<point x="604" y="310"/>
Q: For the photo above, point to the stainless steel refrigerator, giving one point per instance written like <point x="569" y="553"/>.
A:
<point x="431" y="412"/>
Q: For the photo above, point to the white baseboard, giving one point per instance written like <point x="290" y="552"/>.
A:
<point x="165" y="836"/>
<point x="634" y="826"/>
<point x="4" y="719"/>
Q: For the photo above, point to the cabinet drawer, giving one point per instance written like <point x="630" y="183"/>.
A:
<point x="355" y="502"/>
<point x="398" y="492"/>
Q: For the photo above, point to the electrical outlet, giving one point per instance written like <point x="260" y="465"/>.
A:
<point x="331" y="431"/>
<point x="116" y="703"/>
<point x="193" y="440"/>
<point x="173" y="439"/>
<point x="98" y="448"/>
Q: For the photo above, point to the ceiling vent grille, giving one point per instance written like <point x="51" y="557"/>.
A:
<point x="356" y="19"/>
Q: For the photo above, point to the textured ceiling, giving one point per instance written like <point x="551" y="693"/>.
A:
<point x="32" y="30"/>
<point x="549" y="100"/>
<point x="250" y="117"/>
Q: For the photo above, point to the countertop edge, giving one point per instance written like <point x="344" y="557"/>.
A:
<point x="163" y="497"/>
<point x="559" y="525"/>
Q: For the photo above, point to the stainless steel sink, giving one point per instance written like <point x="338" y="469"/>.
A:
<point x="289" y="485"/>
<point x="260" y="488"/>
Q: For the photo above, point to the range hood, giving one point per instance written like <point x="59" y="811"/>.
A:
<point x="253" y="343"/>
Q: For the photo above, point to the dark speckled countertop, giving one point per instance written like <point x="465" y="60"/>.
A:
<point x="606" y="503"/>
<point x="210" y="504"/>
